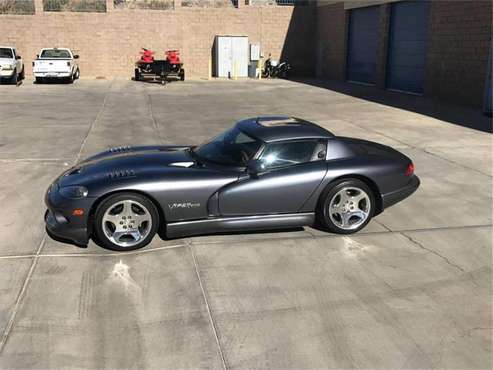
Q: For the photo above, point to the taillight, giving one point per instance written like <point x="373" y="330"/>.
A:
<point x="409" y="170"/>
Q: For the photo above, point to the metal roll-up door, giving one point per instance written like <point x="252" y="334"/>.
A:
<point x="408" y="41"/>
<point x="363" y="45"/>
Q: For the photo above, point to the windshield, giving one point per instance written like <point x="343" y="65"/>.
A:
<point x="231" y="148"/>
<point x="55" y="53"/>
<point x="6" y="53"/>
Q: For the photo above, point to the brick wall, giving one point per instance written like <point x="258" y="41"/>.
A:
<point x="460" y="34"/>
<point x="331" y="41"/>
<point x="108" y="43"/>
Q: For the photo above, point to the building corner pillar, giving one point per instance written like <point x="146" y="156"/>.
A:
<point x="382" y="55"/>
<point x="38" y="7"/>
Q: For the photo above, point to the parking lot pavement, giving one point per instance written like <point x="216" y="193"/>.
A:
<point x="412" y="290"/>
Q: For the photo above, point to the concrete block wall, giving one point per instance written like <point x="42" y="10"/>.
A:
<point x="460" y="37"/>
<point x="109" y="43"/>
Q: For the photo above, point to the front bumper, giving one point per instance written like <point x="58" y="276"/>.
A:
<point x="394" y="197"/>
<point x="59" y="219"/>
<point x="6" y="73"/>
<point x="52" y="74"/>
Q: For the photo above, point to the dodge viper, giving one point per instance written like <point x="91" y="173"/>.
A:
<point x="263" y="173"/>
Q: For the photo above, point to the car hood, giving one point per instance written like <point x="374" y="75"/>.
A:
<point x="119" y="163"/>
<point x="6" y="61"/>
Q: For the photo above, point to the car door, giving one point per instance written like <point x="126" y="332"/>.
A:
<point x="293" y="171"/>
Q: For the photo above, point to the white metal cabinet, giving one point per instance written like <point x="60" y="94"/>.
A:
<point x="231" y="54"/>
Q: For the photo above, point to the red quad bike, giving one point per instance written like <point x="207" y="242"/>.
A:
<point x="148" y="68"/>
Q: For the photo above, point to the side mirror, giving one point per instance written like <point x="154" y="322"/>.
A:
<point x="76" y="56"/>
<point x="255" y="166"/>
<point x="18" y="57"/>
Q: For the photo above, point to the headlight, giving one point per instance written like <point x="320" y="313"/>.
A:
<point x="74" y="192"/>
<point x="7" y="67"/>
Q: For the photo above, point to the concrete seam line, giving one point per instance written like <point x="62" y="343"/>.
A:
<point x="120" y="254"/>
<point x="153" y="118"/>
<point x="209" y="312"/>
<point x="383" y="134"/>
<point x="94" y="254"/>
<point x="93" y="123"/>
<point x="34" y="160"/>
<point x="456" y="163"/>
<point x="20" y="296"/>
<point x="311" y="236"/>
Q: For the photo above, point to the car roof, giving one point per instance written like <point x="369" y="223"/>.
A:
<point x="277" y="128"/>
<point x="55" y="48"/>
<point x="6" y="47"/>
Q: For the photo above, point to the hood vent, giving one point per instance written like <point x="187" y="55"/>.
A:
<point x="120" y="149"/>
<point x="119" y="174"/>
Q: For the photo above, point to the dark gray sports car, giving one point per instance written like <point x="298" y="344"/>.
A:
<point x="264" y="173"/>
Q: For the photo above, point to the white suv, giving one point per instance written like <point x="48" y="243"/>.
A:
<point x="11" y="66"/>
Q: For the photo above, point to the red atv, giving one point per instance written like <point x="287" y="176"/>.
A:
<point x="148" y="68"/>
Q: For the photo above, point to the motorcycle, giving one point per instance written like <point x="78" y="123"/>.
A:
<point x="272" y="68"/>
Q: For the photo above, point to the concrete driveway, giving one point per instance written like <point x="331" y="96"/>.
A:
<point x="412" y="290"/>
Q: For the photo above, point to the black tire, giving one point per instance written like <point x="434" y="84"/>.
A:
<point x="39" y="80"/>
<point x="323" y="218"/>
<point x="99" y="234"/>
<point x="15" y="78"/>
<point x="77" y="74"/>
<point x="71" y="79"/>
<point x="137" y="74"/>
<point x="182" y="75"/>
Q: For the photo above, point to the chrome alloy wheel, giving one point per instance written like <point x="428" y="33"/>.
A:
<point x="127" y="223"/>
<point x="349" y="208"/>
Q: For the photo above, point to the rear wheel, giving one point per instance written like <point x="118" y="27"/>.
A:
<point x="137" y="74"/>
<point x="126" y="221"/>
<point x="182" y="75"/>
<point x="346" y="206"/>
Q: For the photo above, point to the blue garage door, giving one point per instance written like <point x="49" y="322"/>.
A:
<point x="407" y="46"/>
<point x="362" y="45"/>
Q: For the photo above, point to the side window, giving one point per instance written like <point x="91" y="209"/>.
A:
<point x="291" y="153"/>
<point x="15" y="53"/>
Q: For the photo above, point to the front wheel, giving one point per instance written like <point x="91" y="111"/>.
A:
<point x="15" y="78"/>
<point x="126" y="221"/>
<point x="346" y="206"/>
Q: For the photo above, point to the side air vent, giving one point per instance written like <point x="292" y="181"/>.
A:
<point x="119" y="174"/>
<point x="120" y="149"/>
